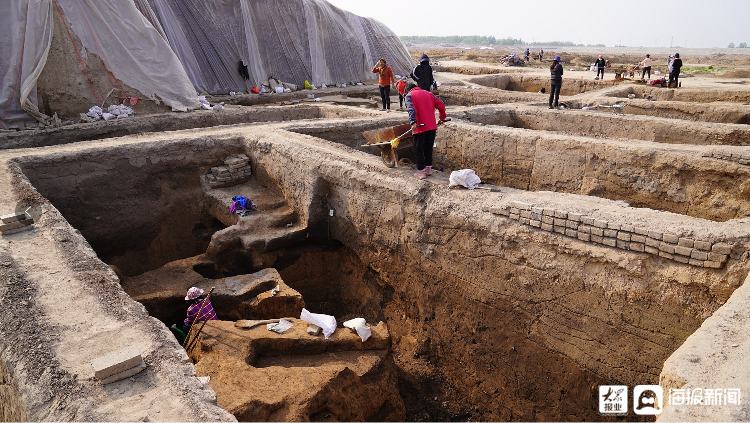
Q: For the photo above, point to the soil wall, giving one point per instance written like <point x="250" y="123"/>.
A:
<point x="490" y="318"/>
<point x="609" y="125"/>
<point x="146" y="208"/>
<point x="533" y="84"/>
<point x="475" y="296"/>
<point x="661" y="177"/>
<point x="696" y="112"/>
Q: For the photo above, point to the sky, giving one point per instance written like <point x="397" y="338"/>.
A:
<point x="684" y="23"/>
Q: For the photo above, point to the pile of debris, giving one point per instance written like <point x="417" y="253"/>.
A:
<point x="512" y="60"/>
<point x="115" y="111"/>
<point x="236" y="169"/>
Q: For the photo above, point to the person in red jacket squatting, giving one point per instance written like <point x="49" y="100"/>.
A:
<point x="421" y="106"/>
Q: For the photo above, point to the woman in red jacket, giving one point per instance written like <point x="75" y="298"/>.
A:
<point x="421" y="106"/>
<point x="385" y="81"/>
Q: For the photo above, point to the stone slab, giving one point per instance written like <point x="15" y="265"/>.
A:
<point x="122" y="375"/>
<point x="116" y="362"/>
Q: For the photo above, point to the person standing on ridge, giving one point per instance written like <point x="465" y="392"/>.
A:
<point x="400" y="87"/>
<point x="526" y="54"/>
<point x="556" y="73"/>
<point x="421" y="105"/>
<point x="385" y="81"/>
<point x="541" y="54"/>
<point x="422" y="74"/>
<point x="647" y="62"/>
<point x="674" y="73"/>
<point x="600" y="65"/>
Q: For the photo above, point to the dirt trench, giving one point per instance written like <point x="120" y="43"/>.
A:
<point x="477" y="312"/>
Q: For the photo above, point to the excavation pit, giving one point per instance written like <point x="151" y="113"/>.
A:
<point x="687" y="182"/>
<point x="691" y="95"/>
<point x="606" y="242"/>
<point x="685" y="111"/>
<point x="231" y="115"/>
<point x="609" y="125"/>
<point x="463" y="290"/>
<point x="534" y="84"/>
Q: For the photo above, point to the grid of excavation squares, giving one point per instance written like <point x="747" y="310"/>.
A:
<point x="626" y="237"/>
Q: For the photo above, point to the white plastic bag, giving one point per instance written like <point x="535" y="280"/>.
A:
<point x="359" y="326"/>
<point x="279" y="89"/>
<point x="94" y="112"/>
<point x="120" y="110"/>
<point x="464" y="177"/>
<point x="324" y="321"/>
<point x="279" y="327"/>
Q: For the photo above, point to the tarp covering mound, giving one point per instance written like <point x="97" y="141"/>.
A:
<point x="290" y="40"/>
<point x="118" y="32"/>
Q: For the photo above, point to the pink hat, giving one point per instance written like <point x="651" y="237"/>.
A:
<point x="193" y="293"/>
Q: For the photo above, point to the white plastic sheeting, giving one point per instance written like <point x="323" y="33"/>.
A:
<point x="290" y="40"/>
<point x="25" y="38"/>
<point x="132" y="49"/>
<point x="119" y="31"/>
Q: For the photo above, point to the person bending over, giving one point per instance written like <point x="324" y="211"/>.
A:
<point x="421" y="105"/>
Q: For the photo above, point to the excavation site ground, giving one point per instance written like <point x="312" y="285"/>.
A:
<point x="607" y="245"/>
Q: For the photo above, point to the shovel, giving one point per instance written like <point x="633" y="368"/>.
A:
<point x="395" y="141"/>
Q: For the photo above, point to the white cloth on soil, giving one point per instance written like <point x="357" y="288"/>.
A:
<point x="464" y="177"/>
<point x="324" y="321"/>
<point x="359" y="326"/>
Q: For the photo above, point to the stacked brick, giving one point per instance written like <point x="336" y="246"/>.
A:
<point x="236" y="170"/>
<point x="625" y="237"/>
<point x="741" y="158"/>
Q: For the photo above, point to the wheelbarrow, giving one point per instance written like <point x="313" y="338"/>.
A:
<point x="382" y="139"/>
<point x="390" y="140"/>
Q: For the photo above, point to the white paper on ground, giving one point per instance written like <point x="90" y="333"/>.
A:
<point x="325" y="322"/>
<point x="359" y="326"/>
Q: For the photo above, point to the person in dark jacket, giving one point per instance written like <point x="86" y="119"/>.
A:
<point x="556" y="73"/>
<point x="526" y="54"/>
<point x="674" y="73"/>
<point x="600" y="65"/>
<point x="421" y="105"/>
<point x="422" y="74"/>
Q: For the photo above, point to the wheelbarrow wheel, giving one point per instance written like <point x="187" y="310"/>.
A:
<point x="387" y="156"/>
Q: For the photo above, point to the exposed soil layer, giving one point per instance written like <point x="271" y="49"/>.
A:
<point x="261" y="376"/>
<point x="676" y="179"/>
